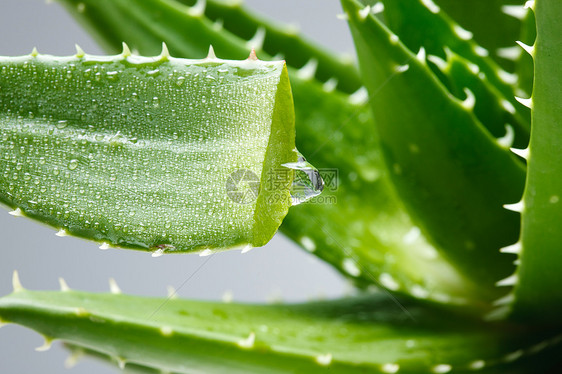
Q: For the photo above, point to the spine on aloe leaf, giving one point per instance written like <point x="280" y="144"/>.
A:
<point x="152" y="153"/>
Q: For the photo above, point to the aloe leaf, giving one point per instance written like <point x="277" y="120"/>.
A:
<point x="344" y="336"/>
<point x="538" y="275"/>
<point x="495" y="24"/>
<point x="419" y="24"/>
<point x="140" y="152"/>
<point x="465" y="81"/>
<point x="452" y="176"/>
<point x="148" y="23"/>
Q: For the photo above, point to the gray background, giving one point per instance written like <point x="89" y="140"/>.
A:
<point x="279" y="269"/>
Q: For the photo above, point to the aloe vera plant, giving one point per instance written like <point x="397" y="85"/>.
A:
<point x="447" y="200"/>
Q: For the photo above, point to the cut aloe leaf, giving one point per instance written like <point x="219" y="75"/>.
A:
<point x="353" y="335"/>
<point x="538" y="276"/>
<point x="419" y="24"/>
<point x="146" y="153"/>
<point x="450" y="173"/>
<point x="145" y="24"/>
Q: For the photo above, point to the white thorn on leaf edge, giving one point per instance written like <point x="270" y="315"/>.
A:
<point x="126" y="51"/>
<point x="421" y="55"/>
<point x="104" y="246"/>
<point x="16" y="212"/>
<point x="172" y="293"/>
<point x="401" y="68"/>
<point x="63" y="285"/>
<point x="470" y="100"/>
<point x="429" y="4"/>
<point x="509" y="53"/>
<point x="439" y="62"/>
<point x="47" y="344"/>
<point x="198" y="9"/>
<point x="227" y="297"/>
<point x="165" y="54"/>
<point x="253" y="56"/>
<point x="517" y="207"/>
<point x="359" y="97"/>
<point x="246" y="249"/>
<point x="330" y="85"/>
<point x="462" y="33"/>
<point x="527" y="48"/>
<point x="506" y="300"/>
<point x="79" y="51"/>
<point x="506" y="141"/>
<point x="526" y="102"/>
<point x="441" y="368"/>
<point x="364" y="13"/>
<point x="114" y="287"/>
<point x="530" y="4"/>
<point x="498" y="314"/>
<point x="524" y="153"/>
<point x="516" y="11"/>
<point x="62" y="233"/>
<point x="509" y="281"/>
<point x="248" y="342"/>
<point x="211" y="55"/>
<point x="377" y="8"/>
<point x="120" y="362"/>
<point x="324" y="360"/>
<point x="257" y="40"/>
<point x="75" y="356"/>
<point x="34" y="52"/>
<point x="390" y="368"/>
<point x="16" y="283"/>
<point x="308" y="71"/>
<point x="206" y="252"/>
<point x="514" y="248"/>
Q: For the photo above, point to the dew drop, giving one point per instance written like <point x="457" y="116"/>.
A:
<point x="307" y="181"/>
<point x="73" y="164"/>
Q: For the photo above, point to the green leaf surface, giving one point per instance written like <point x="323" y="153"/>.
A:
<point x="451" y="174"/>
<point x="158" y="154"/>
<point x="357" y="335"/>
<point x="538" y="278"/>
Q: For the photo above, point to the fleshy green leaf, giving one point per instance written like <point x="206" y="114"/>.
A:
<point x="538" y="278"/>
<point x="450" y="173"/>
<point x="358" y="335"/>
<point x="160" y="154"/>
